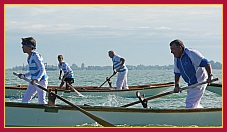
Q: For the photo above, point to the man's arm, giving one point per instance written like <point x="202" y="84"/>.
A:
<point x="209" y="72"/>
<point x="177" y="84"/>
<point x="122" y="63"/>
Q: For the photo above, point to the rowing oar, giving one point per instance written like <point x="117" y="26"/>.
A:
<point x="95" y="118"/>
<point x="107" y="80"/>
<point x="167" y="93"/>
<point x="81" y="95"/>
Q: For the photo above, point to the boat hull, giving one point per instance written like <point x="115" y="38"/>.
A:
<point x="148" y="90"/>
<point x="36" y="115"/>
<point x="215" y="88"/>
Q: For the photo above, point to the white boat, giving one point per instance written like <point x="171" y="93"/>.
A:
<point x="215" y="88"/>
<point x="37" y="115"/>
<point x="147" y="89"/>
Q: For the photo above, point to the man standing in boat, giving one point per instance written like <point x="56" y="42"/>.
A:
<point x="68" y="73"/>
<point x="194" y="68"/>
<point x="37" y="72"/>
<point x="120" y="67"/>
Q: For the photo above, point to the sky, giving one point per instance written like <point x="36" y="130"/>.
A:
<point x="85" y="33"/>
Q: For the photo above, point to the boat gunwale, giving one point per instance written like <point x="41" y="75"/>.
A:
<point x="216" y="84"/>
<point x="104" y="89"/>
<point x="111" y="109"/>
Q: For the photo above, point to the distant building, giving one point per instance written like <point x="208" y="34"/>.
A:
<point x="83" y="66"/>
<point x="215" y="65"/>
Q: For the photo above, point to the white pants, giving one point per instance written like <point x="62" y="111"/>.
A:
<point x="194" y="96"/>
<point x="31" y="91"/>
<point x="122" y="80"/>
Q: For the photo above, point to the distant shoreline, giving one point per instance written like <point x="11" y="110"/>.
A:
<point x="215" y="65"/>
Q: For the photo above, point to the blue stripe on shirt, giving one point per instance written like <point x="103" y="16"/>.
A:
<point x="204" y="63"/>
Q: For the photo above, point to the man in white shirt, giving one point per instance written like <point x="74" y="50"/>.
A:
<point x="120" y="67"/>
<point x="68" y="73"/>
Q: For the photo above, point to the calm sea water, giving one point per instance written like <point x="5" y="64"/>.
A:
<point x="135" y="77"/>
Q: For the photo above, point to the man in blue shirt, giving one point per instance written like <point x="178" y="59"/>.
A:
<point x="193" y="68"/>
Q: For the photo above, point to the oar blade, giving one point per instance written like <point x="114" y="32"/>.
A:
<point x="79" y="94"/>
<point x="107" y="80"/>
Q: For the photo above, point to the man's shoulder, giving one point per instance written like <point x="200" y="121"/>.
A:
<point x="192" y="52"/>
<point x="117" y="56"/>
<point x="36" y="55"/>
<point x="188" y="50"/>
<point x="65" y="64"/>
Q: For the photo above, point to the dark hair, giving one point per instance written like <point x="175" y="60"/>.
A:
<point x="60" y="56"/>
<point x="30" y="41"/>
<point x="177" y="42"/>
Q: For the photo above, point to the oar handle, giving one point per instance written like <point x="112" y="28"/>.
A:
<point x="197" y="84"/>
<point x="95" y="118"/>
<point x="167" y="93"/>
<point x="106" y="80"/>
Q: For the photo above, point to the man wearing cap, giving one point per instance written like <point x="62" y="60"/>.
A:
<point x="37" y="72"/>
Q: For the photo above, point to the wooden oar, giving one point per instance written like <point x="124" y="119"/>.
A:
<point x="167" y="93"/>
<point x="95" y="118"/>
<point x="107" y="80"/>
<point x="81" y="95"/>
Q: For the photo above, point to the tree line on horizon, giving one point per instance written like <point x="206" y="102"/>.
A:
<point x="215" y="65"/>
